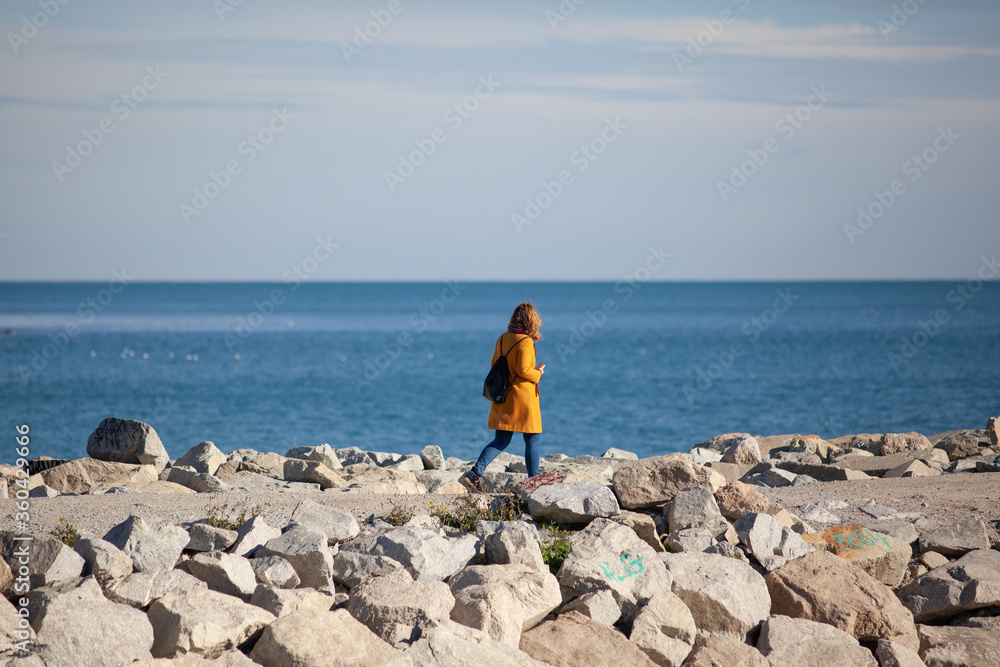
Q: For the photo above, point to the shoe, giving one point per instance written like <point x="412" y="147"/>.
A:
<point x="472" y="482"/>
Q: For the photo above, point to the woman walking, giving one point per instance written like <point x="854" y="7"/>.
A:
<point x="520" y="412"/>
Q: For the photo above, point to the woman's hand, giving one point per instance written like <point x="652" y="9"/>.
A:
<point x="541" y="368"/>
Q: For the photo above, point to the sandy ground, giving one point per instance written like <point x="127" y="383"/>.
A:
<point x="939" y="500"/>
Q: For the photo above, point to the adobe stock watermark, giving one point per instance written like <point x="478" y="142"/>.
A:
<point x="915" y="167"/>
<point x="30" y="26"/>
<point x="714" y="28"/>
<point x="958" y="297"/>
<point x="581" y="158"/>
<point x="562" y="12"/>
<point x="121" y="108"/>
<point x="901" y="13"/>
<point x="786" y="126"/>
<point x="363" y="35"/>
<point x="294" y="277"/>
<point x="751" y="330"/>
<point x="419" y="321"/>
<point x="626" y="288"/>
<point x="223" y="7"/>
<point x="454" y="116"/>
<point x="86" y="311"/>
<point x="249" y="149"/>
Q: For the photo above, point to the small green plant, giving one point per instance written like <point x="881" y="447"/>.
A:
<point x="224" y="516"/>
<point x="555" y="545"/>
<point x="66" y="533"/>
<point x="398" y="516"/>
<point x="466" y="512"/>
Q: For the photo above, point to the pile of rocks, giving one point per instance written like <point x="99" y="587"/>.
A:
<point x="672" y="561"/>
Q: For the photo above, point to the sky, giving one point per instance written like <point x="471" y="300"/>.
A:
<point x="228" y="140"/>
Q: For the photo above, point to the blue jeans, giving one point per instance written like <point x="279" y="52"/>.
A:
<point x="500" y="443"/>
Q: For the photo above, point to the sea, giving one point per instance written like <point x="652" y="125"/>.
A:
<point x="651" y="368"/>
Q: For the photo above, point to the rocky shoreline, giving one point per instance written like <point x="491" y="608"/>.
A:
<point x="868" y="549"/>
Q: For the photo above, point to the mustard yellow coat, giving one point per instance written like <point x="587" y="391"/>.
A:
<point x="520" y="412"/>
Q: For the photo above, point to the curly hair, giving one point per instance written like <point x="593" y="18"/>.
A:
<point x="526" y="318"/>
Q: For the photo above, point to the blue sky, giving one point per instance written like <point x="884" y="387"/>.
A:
<point x="710" y="152"/>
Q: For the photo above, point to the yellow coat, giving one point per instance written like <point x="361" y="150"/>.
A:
<point x="520" y="412"/>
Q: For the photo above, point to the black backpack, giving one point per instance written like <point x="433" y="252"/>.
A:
<point x="498" y="380"/>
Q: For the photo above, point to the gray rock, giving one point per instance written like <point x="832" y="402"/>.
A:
<point x="312" y="472"/>
<point x="503" y="600"/>
<point x="692" y="506"/>
<point x="728" y="550"/>
<point x="324" y="453"/>
<point x="744" y="450"/>
<point x="103" y="560"/>
<point x="204" y="457"/>
<point x="664" y="630"/>
<point x="703" y="456"/>
<point x="409" y="463"/>
<point x="67" y="617"/>
<point x="894" y="654"/>
<point x="435" y="479"/>
<point x="771" y="543"/>
<point x="692" y="540"/>
<point x="117" y="489"/>
<point x="253" y="534"/>
<point x="957" y="539"/>
<point x="803" y="643"/>
<point x="721" y="443"/>
<point x="127" y="441"/>
<point x="773" y="477"/>
<point x="959" y="647"/>
<point x="258" y="483"/>
<point x="513" y="546"/>
<point x="823" y="472"/>
<point x="615" y="453"/>
<point x="43" y="491"/>
<point x="573" y="502"/>
<point x="275" y="571"/>
<point x="224" y="572"/>
<point x="307" y="552"/>
<point x="816" y="513"/>
<point x="397" y="609"/>
<point x="971" y="582"/>
<point x="643" y="525"/>
<point x="655" y="481"/>
<point x="724" y="595"/>
<point x="353" y="568"/>
<point x="501" y="482"/>
<point x="205" y="537"/>
<point x="349" y="456"/>
<point x="149" y="549"/>
<point x="449" y="643"/>
<point x="432" y="457"/>
<point x="485" y="528"/>
<point x="599" y="606"/>
<point x="724" y="651"/>
<point x="48" y="560"/>
<point x="197" y="620"/>
<point x="337" y="525"/>
<point x="282" y="602"/>
<point x="424" y="554"/>
<point x="140" y="589"/>
<point x="574" y="639"/>
<point x="196" y="481"/>
<point x="873" y="509"/>
<point x="608" y="556"/>
<point x="312" y="637"/>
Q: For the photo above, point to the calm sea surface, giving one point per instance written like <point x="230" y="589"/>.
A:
<point x="651" y="368"/>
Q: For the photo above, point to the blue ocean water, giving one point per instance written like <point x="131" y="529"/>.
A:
<point x="647" y="367"/>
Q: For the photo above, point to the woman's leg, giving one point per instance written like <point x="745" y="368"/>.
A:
<point x="490" y="451"/>
<point x="531" y="452"/>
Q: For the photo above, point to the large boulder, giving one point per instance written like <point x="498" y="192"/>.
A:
<point x="573" y="640"/>
<point x="201" y="482"/>
<point x="796" y="641"/>
<point x="282" y="602"/>
<point x="883" y="556"/>
<point x="398" y="609"/>
<point x="47" y="560"/>
<point x="894" y="654"/>
<point x="736" y="499"/>
<point x="573" y="502"/>
<point x="307" y="551"/>
<point x="140" y="589"/>
<point x="299" y="470"/>
<point x="961" y="444"/>
<point x="332" y="638"/>
<point x="959" y="647"/>
<point x="971" y="582"/>
<point x="88" y="475"/>
<point x="956" y="539"/>
<point x="204" y="457"/>
<point x="425" y="554"/>
<point x="724" y="651"/>
<point x="724" y="595"/>
<point x="253" y="534"/>
<point x="338" y="525"/>
<point x="275" y="571"/>
<point x="76" y="625"/>
<point x="206" y="537"/>
<point x="664" y="630"/>
<point x="771" y="543"/>
<point x="656" y="480"/>
<point x="893" y="443"/>
<point x="744" y="450"/>
<point x="432" y="457"/>
<point x="609" y="556"/>
<point x="197" y="620"/>
<point x="514" y="544"/>
<point x="103" y="560"/>
<point x="224" y="572"/>
<point x="503" y="600"/>
<point x="353" y="568"/>
<point x="826" y="588"/>
<point x="324" y="453"/>
<point x="127" y="441"/>
<point x="150" y="549"/>
<point x="450" y="643"/>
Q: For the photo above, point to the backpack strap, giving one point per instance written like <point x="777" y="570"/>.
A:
<point x="502" y="354"/>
